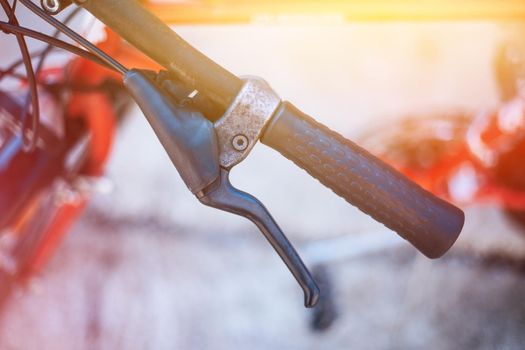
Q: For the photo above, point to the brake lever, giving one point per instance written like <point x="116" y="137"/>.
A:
<point x="225" y="197"/>
<point x="204" y="153"/>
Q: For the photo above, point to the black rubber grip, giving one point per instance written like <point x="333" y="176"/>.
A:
<point x="426" y="221"/>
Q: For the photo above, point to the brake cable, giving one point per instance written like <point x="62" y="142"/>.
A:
<point x="10" y="71"/>
<point x="55" y="42"/>
<point x="91" y="52"/>
<point x="75" y="37"/>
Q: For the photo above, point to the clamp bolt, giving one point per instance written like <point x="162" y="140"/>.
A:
<point x="53" y="7"/>
<point x="240" y="142"/>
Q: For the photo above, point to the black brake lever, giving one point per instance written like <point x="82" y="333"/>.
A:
<point x="203" y="162"/>
<point x="224" y="196"/>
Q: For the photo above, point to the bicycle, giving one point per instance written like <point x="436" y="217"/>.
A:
<point x="208" y="120"/>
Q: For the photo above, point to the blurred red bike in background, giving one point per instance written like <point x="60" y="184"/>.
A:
<point x="80" y="106"/>
<point x="467" y="158"/>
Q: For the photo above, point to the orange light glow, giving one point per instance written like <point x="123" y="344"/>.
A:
<point x="276" y="11"/>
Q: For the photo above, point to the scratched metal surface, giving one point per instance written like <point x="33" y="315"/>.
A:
<point x="147" y="267"/>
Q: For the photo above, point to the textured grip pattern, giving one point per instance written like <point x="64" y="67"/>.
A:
<point x="429" y="223"/>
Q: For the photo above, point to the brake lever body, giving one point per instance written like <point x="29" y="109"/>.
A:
<point x="204" y="153"/>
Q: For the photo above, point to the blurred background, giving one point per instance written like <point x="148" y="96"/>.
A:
<point x="148" y="267"/>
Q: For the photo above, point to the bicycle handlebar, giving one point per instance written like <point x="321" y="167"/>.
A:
<point x="427" y="222"/>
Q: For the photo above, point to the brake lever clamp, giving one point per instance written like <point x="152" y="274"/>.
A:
<point x="241" y="126"/>
<point x="204" y="153"/>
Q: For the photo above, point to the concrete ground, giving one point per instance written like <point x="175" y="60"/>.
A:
<point x="147" y="267"/>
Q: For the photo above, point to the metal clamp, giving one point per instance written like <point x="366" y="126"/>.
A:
<point x="243" y="122"/>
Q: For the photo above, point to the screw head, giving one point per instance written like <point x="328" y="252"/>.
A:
<point x="240" y="142"/>
<point x="51" y="6"/>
